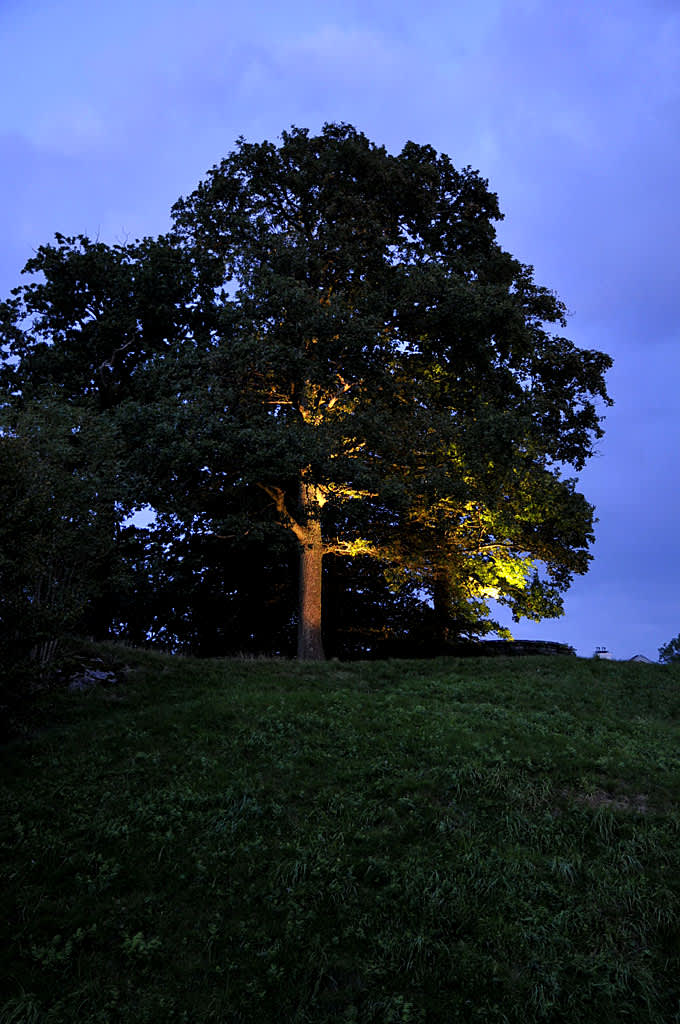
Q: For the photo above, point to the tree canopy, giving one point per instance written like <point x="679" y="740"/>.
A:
<point x="330" y="355"/>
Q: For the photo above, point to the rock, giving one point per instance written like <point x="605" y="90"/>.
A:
<point x="90" y="677"/>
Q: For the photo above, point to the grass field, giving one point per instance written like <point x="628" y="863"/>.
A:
<point x="259" y="841"/>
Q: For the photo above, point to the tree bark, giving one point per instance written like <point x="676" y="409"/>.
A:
<point x="310" y="643"/>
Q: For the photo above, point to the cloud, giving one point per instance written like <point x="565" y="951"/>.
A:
<point x="585" y="153"/>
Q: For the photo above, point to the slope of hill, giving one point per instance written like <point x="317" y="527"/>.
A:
<point x="259" y="841"/>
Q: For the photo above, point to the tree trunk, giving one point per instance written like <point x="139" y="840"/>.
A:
<point x="310" y="643"/>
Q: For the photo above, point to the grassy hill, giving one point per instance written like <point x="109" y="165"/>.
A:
<point x="249" y="842"/>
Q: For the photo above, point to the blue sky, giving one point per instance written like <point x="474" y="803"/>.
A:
<point x="110" y="112"/>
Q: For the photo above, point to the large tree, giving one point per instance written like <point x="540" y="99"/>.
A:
<point x="382" y="370"/>
<point x="331" y="343"/>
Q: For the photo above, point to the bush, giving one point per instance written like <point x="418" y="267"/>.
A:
<point x="56" y="530"/>
<point x="670" y="651"/>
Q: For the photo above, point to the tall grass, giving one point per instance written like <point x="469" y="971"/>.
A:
<point x="251" y="841"/>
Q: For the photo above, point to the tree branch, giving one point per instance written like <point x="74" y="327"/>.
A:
<point x="278" y="497"/>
